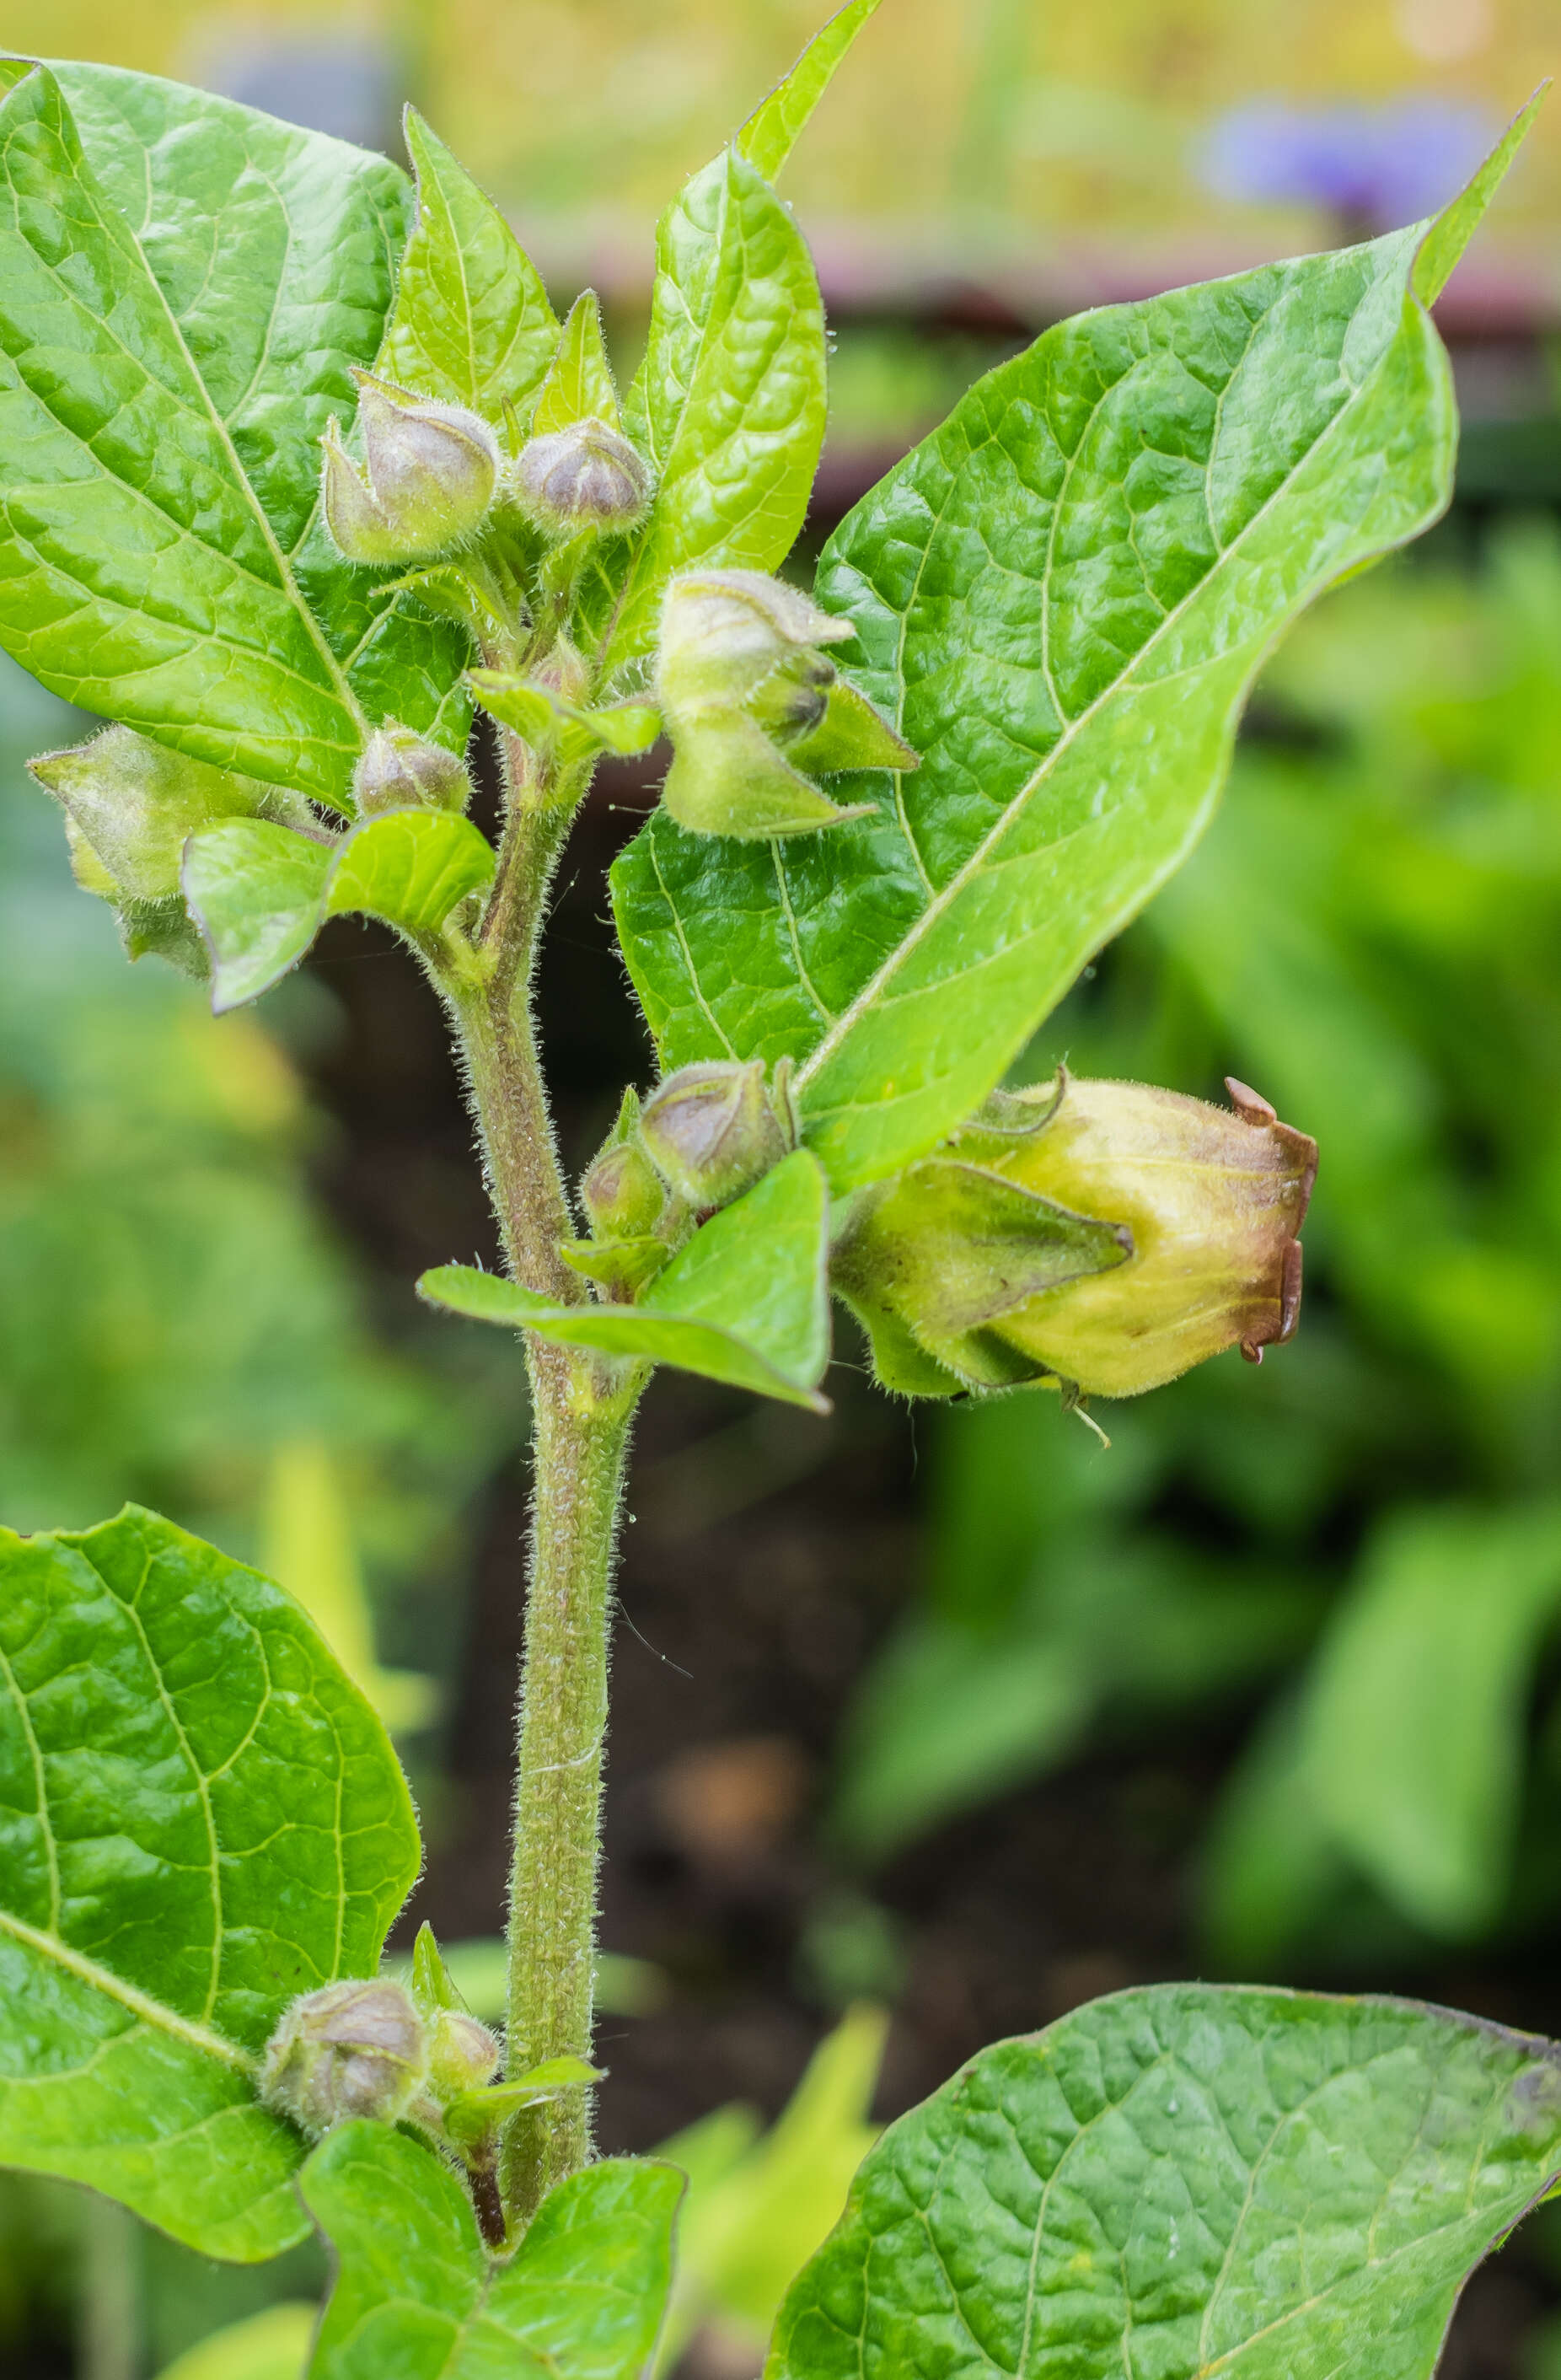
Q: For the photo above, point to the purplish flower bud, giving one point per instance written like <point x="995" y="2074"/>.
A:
<point x="712" y="1130"/>
<point x="401" y="770"/>
<point x="349" y="2049"/>
<point x="463" y="2054"/>
<point x="623" y="1194"/>
<point x="583" y="477"/>
<point x="431" y="470"/>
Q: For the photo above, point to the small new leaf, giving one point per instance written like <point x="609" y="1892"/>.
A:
<point x="471" y="322"/>
<point x="745" y="1302"/>
<point x="583" y="2294"/>
<point x="261" y="894"/>
<point x="579" y="385"/>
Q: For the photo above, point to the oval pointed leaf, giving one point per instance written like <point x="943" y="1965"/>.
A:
<point x="256" y="892"/>
<point x="1189" y="2182"/>
<point x="410" y="867"/>
<point x="579" y="385"/>
<point x="471" y="323"/>
<point x="745" y="1302"/>
<point x="776" y="125"/>
<point x="730" y="403"/>
<point x="201" y="1818"/>
<point x="1061" y="597"/>
<point x="417" y="2294"/>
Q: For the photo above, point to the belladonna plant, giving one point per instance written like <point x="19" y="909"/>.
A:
<point x="298" y="465"/>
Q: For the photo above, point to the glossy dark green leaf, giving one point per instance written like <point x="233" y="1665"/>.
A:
<point x="199" y="1817"/>
<point x="419" y="2297"/>
<point x="261" y="892"/>
<point x="745" y="1302"/>
<point x="1060" y="599"/>
<point x="776" y="125"/>
<point x="729" y="405"/>
<point x="187" y="286"/>
<point x="471" y="323"/>
<point x="1186" y="2181"/>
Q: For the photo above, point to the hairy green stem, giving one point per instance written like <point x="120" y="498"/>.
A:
<point x="581" y="1410"/>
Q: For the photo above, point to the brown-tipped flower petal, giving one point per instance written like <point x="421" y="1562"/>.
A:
<point x="1215" y="1202"/>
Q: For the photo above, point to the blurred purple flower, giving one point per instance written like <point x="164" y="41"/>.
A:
<point x="1379" y="166"/>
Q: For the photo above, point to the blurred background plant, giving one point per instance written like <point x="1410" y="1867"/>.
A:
<point x="956" y="1716"/>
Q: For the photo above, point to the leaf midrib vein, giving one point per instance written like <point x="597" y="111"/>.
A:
<point x="139" y="2004"/>
<point x="971" y="867"/>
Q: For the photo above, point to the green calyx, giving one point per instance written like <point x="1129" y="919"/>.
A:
<point x="585" y="475"/>
<point x="756" y="711"/>
<point x="400" y="771"/>
<point x="1108" y="1236"/>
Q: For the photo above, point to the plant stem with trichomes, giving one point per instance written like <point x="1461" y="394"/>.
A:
<point x="581" y="1408"/>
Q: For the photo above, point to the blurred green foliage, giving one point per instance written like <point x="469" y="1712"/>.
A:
<point x="1372" y="935"/>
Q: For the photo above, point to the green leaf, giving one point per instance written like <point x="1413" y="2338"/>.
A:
<point x="258" y="893"/>
<point x="201" y="1819"/>
<point x="541" y="716"/>
<point x="270" y="2346"/>
<point x="745" y="1302"/>
<point x="418" y="2295"/>
<point x="772" y="131"/>
<point x="188" y="285"/>
<point x="1413" y="1730"/>
<point x="261" y="892"/>
<point x="729" y="404"/>
<point x="1061" y="597"/>
<point x="471" y="323"/>
<point x="1186" y="2181"/>
<point x="579" y="385"/>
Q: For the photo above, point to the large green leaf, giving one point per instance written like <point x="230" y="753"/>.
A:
<point x="1060" y="600"/>
<point x="728" y="403"/>
<point x="471" y="323"/>
<point x="1186" y="2181"/>
<point x="199" y="1817"/>
<point x="186" y="285"/>
<point x="261" y="892"/>
<point x="745" y="1302"/>
<point x="417" y="2295"/>
<point x="776" y="125"/>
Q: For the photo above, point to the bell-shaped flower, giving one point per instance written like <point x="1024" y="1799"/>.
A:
<point x="429" y="473"/>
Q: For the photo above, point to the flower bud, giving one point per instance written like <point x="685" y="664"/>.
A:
<point x="712" y="1130"/>
<point x="431" y="470"/>
<point x="399" y="771"/>
<point x="463" y="2054"/>
<point x="755" y="709"/>
<point x="584" y="476"/>
<point x="350" y="2049"/>
<point x="1205" y="1203"/>
<point x="621" y="1194"/>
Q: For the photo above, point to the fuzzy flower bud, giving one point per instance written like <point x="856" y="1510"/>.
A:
<point x="621" y="1194"/>
<point x="431" y="470"/>
<point x="583" y="477"/>
<point x="712" y="1130"/>
<point x="950" y="1271"/>
<point x="463" y="2054"/>
<point x="756" y="711"/>
<point x="399" y="771"/>
<point x="350" y="2049"/>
